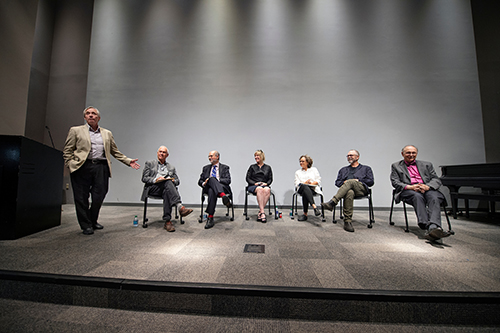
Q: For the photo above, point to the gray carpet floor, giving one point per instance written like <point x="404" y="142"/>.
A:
<point x="301" y="254"/>
<point x="22" y="316"/>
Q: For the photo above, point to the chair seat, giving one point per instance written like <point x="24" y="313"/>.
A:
<point x="229" y="195"/>
<point x="245" y="209"/>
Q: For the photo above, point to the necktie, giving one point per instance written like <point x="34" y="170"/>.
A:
<point x="214" y="171"/>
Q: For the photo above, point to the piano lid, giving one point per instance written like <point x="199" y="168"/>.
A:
<point x="471" y="170"/>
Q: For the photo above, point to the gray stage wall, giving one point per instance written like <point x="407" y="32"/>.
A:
<point x="289" y="77"/>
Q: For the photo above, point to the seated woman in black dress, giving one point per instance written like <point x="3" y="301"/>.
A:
<point x="259" y="177"/>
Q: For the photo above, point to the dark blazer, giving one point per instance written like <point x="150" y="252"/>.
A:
<point x="362" y="172"/>
<point x="149" y="175"/>
<point x="224" y="175"/>
<point x="400" y="177"/>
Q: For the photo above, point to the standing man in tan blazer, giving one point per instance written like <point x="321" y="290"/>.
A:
<point x="87" y="152"/>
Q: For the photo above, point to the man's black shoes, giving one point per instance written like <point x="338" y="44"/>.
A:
<point x="97" y="226"/>
<point x="348" y="227"/>
<point x="88" y="231"/>
<point x="436" y="233"/>
<point x="210" y="223"/>
<point x="226" y="201"/>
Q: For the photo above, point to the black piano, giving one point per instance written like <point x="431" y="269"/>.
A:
<point x="485" y="176"/>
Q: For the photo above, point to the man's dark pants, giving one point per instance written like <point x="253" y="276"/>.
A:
<point x="168" y="192"/>
<point x="427" y="207"/>
<point x="214" y="188"/>
<point x="91" y="179"/>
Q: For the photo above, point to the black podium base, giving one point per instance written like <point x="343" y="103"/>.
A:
<point x="31" y="176"/>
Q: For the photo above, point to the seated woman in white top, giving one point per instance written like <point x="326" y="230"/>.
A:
<point x="307" y="181"/>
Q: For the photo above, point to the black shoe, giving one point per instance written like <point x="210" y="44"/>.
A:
<point x="348" y="227"/>
<point x="317" y="212"/>
<point x="88" y="231"/>
<point x="328" y="205"/>
<point x="97" y="226"/>
<point x="436" y="233"/>
<point x="210" y="223"/>
<point x="302" y="218"/>
<point x="226" y="201"/>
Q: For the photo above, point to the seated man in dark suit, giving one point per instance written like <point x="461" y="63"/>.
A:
<point x="353" y="181"/>
<point x="417" y="184"/>
<point x="215" y="179"/>
<point x="161" y="179"/>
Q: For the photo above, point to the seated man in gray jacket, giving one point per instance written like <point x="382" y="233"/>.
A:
<point x="417" y="184"/>
<point x="161" y="179"/>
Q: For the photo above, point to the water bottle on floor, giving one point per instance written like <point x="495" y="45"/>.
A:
<point x="136" y="221"/>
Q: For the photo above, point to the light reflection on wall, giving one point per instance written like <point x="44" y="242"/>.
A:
<point x="289" y="77"/>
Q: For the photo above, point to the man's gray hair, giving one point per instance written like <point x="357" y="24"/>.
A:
<point x="91" y="107"/>
<point x="357" y="152"/>
<point x="161" y="148"/>
<point x="402" y="150"/>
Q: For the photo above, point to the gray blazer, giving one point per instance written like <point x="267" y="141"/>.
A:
<point x="400" y="177"/>
<point x="149" y="175"/>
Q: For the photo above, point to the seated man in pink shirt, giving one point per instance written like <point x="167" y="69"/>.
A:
<point x="417" y="184"/>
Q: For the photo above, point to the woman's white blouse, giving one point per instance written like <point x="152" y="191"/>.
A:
<point x="312" y="173"/>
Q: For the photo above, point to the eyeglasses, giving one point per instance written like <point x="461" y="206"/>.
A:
<point x="350" y="155"/>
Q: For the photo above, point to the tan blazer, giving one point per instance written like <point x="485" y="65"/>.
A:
<point x="77" y="148"/>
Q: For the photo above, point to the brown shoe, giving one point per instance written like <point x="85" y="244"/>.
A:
<point x="169" y="226"/>
<point x="185" y="211"/>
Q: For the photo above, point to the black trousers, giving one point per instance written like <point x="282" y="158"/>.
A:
<point x="91" y="180"/>
<point x="168" y="192"/>
<point x="214" y="188"/>
<point x="307" y="196"/>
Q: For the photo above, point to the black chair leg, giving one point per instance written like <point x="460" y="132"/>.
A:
<point x="245" y="210"/>
<point x="180" y="219"/>
<point x="371" y="215"/>
<point x="145" y="220"/>
<point x="341" y="210"/>
<point x="201" y="211"/>
<point x="323" y="219"/>
<point x="390" y="214"/>
<point x="406" y="217"/>
<point x="447" y="219"/>
<point x="334" y="211"/>
<point x="232" y="209"/>
<point x="275" y="207"/>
